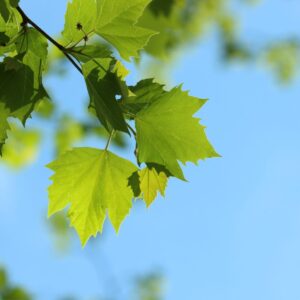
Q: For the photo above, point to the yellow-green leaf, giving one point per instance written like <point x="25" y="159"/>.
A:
<point x="152" y="182"/>
<point x="79" y="20"/>
<point x="93" y="182"/>
<point x="167" y="132"/>
<point x="116" y="21"/>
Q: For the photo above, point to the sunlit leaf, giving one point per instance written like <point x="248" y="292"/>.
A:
<point x="92" y="181"/>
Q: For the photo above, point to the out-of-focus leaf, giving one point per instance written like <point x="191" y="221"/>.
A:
<point x="21" y="147"/>
<point x="150" y="287"/>
<point x="284" y="60"/>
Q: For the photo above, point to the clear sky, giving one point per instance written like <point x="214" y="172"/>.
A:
<point x="231" y="233"/>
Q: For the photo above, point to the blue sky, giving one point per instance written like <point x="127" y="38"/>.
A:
<point x="231" y="233"/>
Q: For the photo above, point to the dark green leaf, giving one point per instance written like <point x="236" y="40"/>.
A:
<point x="103" y="86"/>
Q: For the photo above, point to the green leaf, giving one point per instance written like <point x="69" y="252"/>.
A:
<point x="113" y="20"/>
<point x="35" y="64"/>
<point x="152" y="182"/>
<point x="21" y="83"/>
<point x="116" y="21"/>
<point x="10" y="19"/>
<point x="90" y="52"/>
<point x="168" y="133"/>
<point x="92" y="181"/>
<point x="16" y="84"/>
<point x="80" y="20"/>
<point x="142" y="95"/>
<point x="104" y="86"/>
<point x="146" y="91"/>
<point x="32" y="40"/>
<point x="5" y="9"/>
<point x="32" y="48"/>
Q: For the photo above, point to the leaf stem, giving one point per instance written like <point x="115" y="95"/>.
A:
<point x="109" y="139"/>
<point x="27" y="20"/>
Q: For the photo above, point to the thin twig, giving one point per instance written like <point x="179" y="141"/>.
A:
<point x="27" y="20"/>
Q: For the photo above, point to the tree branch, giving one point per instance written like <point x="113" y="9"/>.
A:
<point x="27" y="20"/>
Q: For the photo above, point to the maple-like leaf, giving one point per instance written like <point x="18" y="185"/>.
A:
<point x="92" y="181"/>
<point x="167" y="132"/>
<point x="113" y="20"/>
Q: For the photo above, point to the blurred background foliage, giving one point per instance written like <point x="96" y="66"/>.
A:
<point x="180" y="23"/>
<point x="9" y="291"/>
<point x="145" y="287"/>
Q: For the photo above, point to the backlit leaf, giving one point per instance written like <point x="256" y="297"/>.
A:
<point x="152" y="182"/>
<point x="93" y="182"/>
<point x="167" y="132"/>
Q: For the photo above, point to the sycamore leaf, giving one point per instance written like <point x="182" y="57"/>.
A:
<point x="80" y="20"/>
<point x="113" y="20"/>
<point x="93" y="182"/>
<point x="116" y="21"/>
<point x="104" y="86"/>
<point x="152" y="181"/>
<point x="167" y="132"/>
